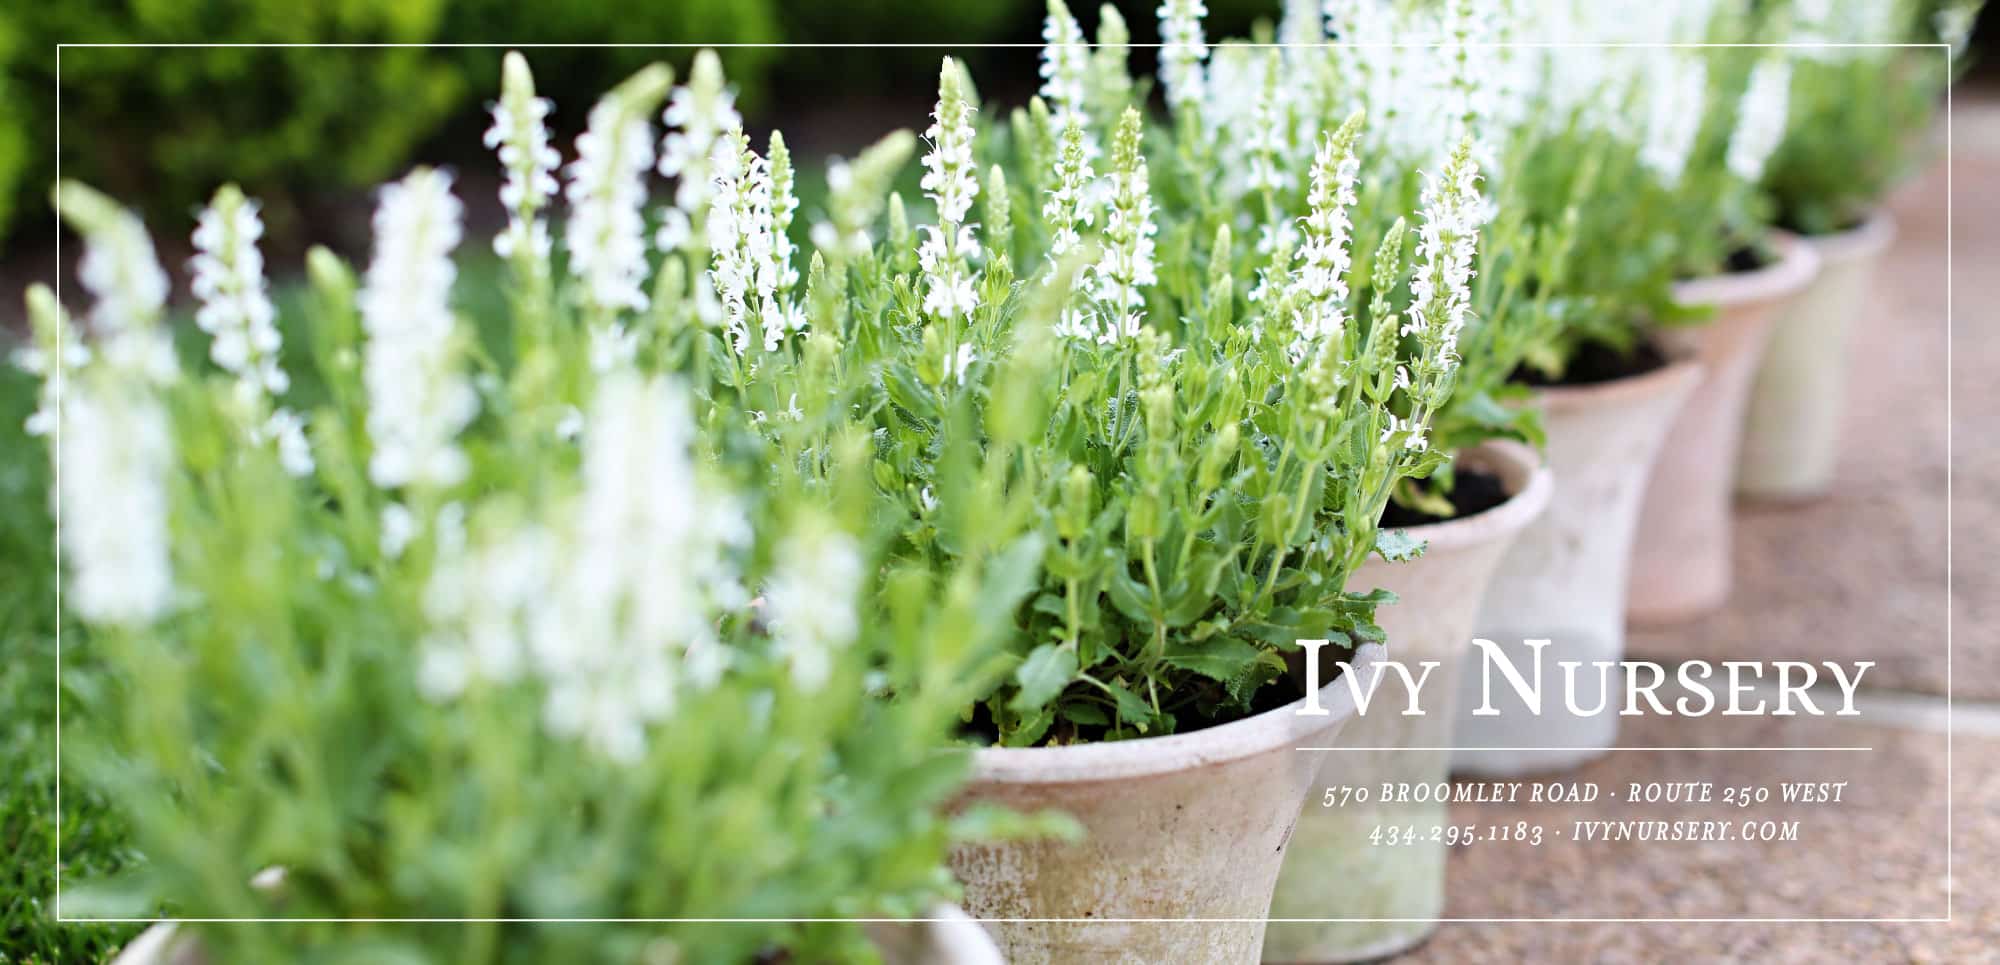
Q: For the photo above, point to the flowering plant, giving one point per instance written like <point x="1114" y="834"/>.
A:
<point x="1858" y="113"/>
<point x="395" y="630"/>
<point x="1571" y="266"/>
<point x="1205" y="429"/>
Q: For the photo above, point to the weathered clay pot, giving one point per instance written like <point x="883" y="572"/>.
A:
<point x="1681" y="561"/>
<point x="1791" y="433"/>
<point x="1332" y="869"/>
<point x="1564" y="578"/>
<point x="1186" y="826"/>
<point x="950" y="938"/>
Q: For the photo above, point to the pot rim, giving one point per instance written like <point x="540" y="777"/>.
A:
<point x="1531" y="484"/>
<point x="1795" y="268"/>
<point x="1873" y="234"/>
<point x="1271" y="730"/>
<point x="1683" y="368"/>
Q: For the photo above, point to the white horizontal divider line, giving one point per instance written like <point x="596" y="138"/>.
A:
<point x="988" y="921"/>
<point x="1482" y="747"/>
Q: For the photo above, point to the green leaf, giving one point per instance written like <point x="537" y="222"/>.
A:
<point x="1042" y="676"/>
<point x="1132" y="709"/>
<point x="1397" y="545"/>
<point x="1130" y="597"/>
<point x="1222" y="659"/>
<point x="1085" y="715"/>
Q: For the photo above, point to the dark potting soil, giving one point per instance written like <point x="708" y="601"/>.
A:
<point x="1205" y="710"/>
<point x="1596" y="362"/>
<point x="1749" y="258"/>
<point x="1472" y="492"/>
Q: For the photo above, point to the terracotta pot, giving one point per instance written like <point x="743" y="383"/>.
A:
<point x="1791" y="434"/>
<point x="1564" y="578"/>
<point x="1186" y="826"/>
<point x="1332" y="870"/>
<point x="950" y="938"/>
<point x="1681" y="562"/>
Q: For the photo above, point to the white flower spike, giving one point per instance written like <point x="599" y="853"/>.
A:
<point x="418" y="399"/>
<point x="951" y="181"/>
<point x="607" y="193"/>
<point x="520" y="135"/>
<point x="1183" y="53"/>
<point x="1760" y="123"/>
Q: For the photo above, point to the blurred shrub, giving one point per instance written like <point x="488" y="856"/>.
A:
<point x="161" y="127"/>
<point x="166" y="124"/>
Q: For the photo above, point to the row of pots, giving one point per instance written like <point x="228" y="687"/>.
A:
<point x="1195" y="843"/>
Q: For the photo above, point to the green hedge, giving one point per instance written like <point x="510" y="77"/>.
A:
<point x="163" y="126"/>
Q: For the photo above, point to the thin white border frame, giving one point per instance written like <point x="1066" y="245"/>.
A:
<point x="1950" y="207"/>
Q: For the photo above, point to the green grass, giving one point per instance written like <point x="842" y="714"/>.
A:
<point x="93" y="838"/>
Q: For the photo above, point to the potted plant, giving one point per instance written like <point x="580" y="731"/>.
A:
<point x="1452" y="526"/>
<point x="399" y="626"/>
<point x="1734" y="275"/>
<point x="1204" y="431"/>
<point x="1856" y="126"/>
<point x="1600" y="366"/>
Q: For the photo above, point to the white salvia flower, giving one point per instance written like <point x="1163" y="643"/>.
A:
<point x="1125" y="266"/>
<point x="957" y="361"/>
<point x="1760" y="123"/>
<point x="1300" y="27"/>
<point x="520" y="134"/>
<point x="119" y="267"/>
<point x="115" y="455"/>
<point x="418" y="400"/>
<point x="1110" y="66"/>
<point x="612" y="346"/>
<point x="1072" y="203"/>
<point x="607" y="192"/>
<point x="1318" y="289"/>
<point x="1414" y="432"/>
<point x="645" y="575"/>
<point x="784" y="205"/>
<point x="288" y="430"/>
<point x="1441" y="290"/>
<point x="55" y="356"/>
<point x="856" y="195"/>
<point x="237" y="313"/>
<point x="570" y="425"/>
<point x="1182" y="53"/>
<point x="1065" y="66"/>
<point x="1270" y="126"/>
<point x="1468" y="32"/>
<point x="951" y="181"/>
<point x="699" y="115"/>
<point x="1076" y="323"/>
<point x="399" y="527"/>
<point x="1676" y="92"/>
<point x="1235" y="82"/>
<point x="478" y="601"/>
<point x="743" y="234"/>
<point x="1812" y="24"/>
<point x="809" y="603"/>
<point x="122" y="273"/>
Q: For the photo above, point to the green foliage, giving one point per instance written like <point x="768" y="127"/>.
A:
<point x="297" y="708"/>
<point x="1203" y="477"/>
<point x="1858" y="120"/>
<point x="168" y="124"/>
